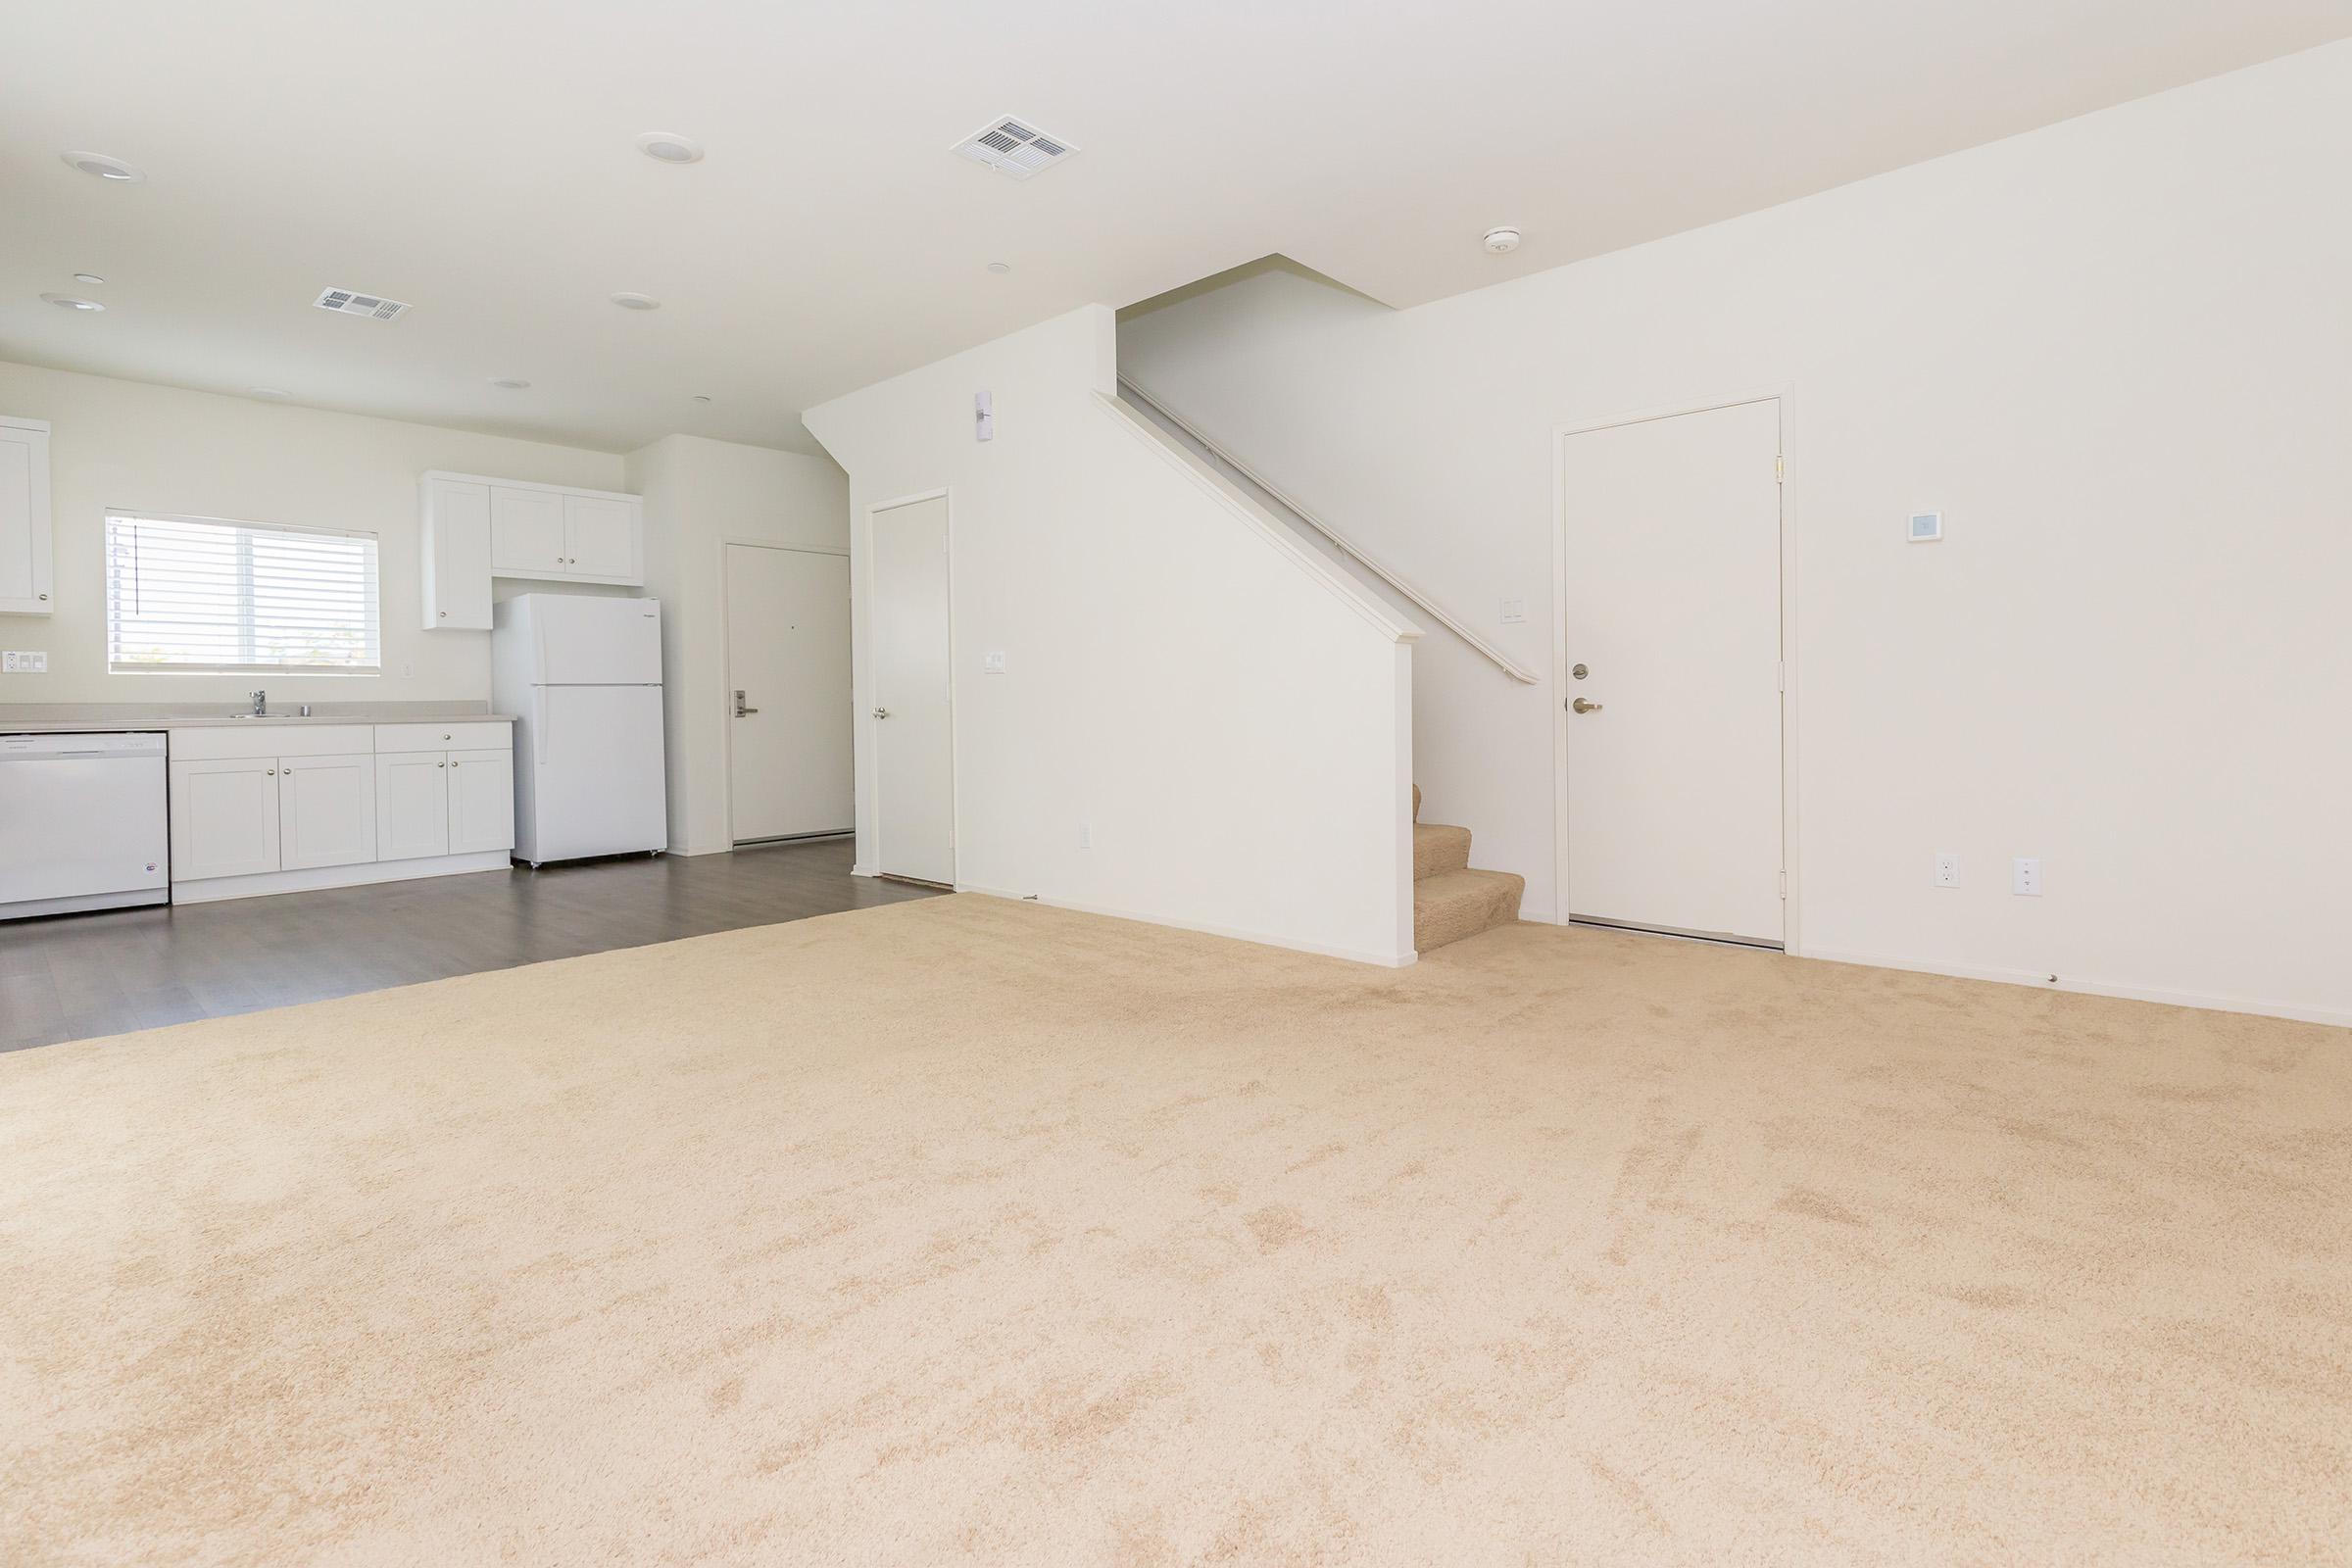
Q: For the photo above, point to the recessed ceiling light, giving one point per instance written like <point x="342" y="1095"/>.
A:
<point x="510" y="383"/>
<point x="88" y="278"/>
<point x="103" y="167"/>
<point x="999" y="266"/>
<point x="669" y="147"/>
<point x="637" y="302"/>
<point x="74" y="302"/>
<point x="1502" y="241"/>
<point x="270" y="391"/>
<point x="702" y="397"/>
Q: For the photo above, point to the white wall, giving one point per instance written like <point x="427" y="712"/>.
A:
<point x="1233" y="728"/>
<point x="700" y="494"/>
<point x="163" y="449"/>
<point x="2117" y="354"/>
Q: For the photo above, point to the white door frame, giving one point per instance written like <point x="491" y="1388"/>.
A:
<point x="1793" y="921"/>
<point x="726" y="647"/>
<point x="862" y="633"/>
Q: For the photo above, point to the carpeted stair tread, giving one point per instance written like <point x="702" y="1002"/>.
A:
<point x="1453" y="905"/>
<point x="1438" y="848"/>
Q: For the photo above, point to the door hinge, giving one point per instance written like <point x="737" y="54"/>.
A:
<point x="1783" y="884"/>
<point x="1780" y="468"/>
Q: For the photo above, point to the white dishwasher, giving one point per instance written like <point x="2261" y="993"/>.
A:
<point x="84" y="823"/>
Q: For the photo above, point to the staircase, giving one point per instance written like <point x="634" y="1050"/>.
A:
<point x="1451" y="901"/>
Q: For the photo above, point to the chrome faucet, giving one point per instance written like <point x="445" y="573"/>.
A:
<point x="260" y="705"/>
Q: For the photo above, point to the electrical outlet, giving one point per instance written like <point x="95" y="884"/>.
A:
<point x="1947" y="870"/>
<point x="25" y="663"/>
<point x="2024" y="877"/>
<point x="1086" y="834"/>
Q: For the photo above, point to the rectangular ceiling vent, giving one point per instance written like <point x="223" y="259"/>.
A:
<point x="351" y="304"/>
<point x="1014" y="147"/>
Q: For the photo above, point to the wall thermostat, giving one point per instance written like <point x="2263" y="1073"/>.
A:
<point x="1926" y="527"/>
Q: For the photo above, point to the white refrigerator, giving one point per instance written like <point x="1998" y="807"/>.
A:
<point x="582" y="677"/>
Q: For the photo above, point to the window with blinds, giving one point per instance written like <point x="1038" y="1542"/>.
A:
<point x="200" y="594"/>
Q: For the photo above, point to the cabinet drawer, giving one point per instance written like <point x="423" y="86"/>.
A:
<point x="460" y="736"/>
<point x="313" y="739"/>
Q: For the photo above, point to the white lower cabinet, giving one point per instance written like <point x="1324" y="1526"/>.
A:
<point x="412" y="805"/>
<point x="481" y="802"/>
<point x="224" y="817"/>
<point x="353" y="804"/>
<point x="325" y="810"/>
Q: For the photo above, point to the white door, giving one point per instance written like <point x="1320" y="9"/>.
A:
<point x="412" y="805"/>
<point x="24" y="521"/>
<point x="481" y="802"/>
<point x="788" y="668"/>
<point x="914" y="779"/>
<point x="600" y="537"/>
<point x="223" y="819"/>
<point x="1673" y="593"/>
<point x="457" y="574"/>
<point x="526" y="532"/>
<point x="325" y="810"/>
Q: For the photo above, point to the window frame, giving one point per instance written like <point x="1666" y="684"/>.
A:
<point x="373" y="629"/>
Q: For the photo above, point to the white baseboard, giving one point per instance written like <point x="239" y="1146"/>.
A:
<point x="1383" y="959"/>
<point x="212" y="889"/>
<point x="863" y="870"/>
<point x="2212" y="1002"/>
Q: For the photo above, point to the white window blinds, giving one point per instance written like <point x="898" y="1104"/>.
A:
<point x="199" y="594"/>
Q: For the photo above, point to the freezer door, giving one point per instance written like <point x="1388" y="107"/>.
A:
<point x="590" y="641"/>
<point x="596" y="786"/>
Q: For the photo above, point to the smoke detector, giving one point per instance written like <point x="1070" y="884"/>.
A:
<point x="346" y="302"/>
<point x="1502" y="241"/>
<point x="1013" y="148"/>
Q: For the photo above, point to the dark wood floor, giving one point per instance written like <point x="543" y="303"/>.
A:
<point x="75" y="976"/>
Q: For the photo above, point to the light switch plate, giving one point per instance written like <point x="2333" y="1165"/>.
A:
<point x="25" y="663"/>
<point x="992" y="663"/>
<point x="1514" y="612"/>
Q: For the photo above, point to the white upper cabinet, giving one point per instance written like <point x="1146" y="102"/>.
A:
<point x="526" y="532"/>
<point x="457" y="554"/>
<point x="23" y="517"/>
<point x="477" y="528"/>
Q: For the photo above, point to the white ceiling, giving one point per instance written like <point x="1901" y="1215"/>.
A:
<point x="475" y="158"/>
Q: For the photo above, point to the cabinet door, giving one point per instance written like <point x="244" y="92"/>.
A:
<point x="412" y="805"/>
<point x="223" y="817"/>
<point x="24" y="521"/>
<point x="481" y="802"/>
<point x="457" y="555"/>
<point x="325" y="810"/>
<point x="601" y="538"/>
<point x="527" y="533"/>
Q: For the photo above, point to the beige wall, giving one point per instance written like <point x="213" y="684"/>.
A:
<point x="700" y="494"/>
<point x="2116" y="354"/>
<point x="163" y="449"/>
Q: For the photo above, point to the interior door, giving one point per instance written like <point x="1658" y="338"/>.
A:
<point x="223" y="817"/>
<point x="788" y="666"/>
<point x="526" y="532"/>
<point x="600" y="537"/>
<point x="481" y="802"/>
<point x="412" y="805"/>
<point x="1672" y="555"/>
<point x="913" y="714"/>
<point x="326" y="810"/>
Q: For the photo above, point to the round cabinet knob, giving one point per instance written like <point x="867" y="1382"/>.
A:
<point x="440" y="764"/>
<point x="445" y="614"/>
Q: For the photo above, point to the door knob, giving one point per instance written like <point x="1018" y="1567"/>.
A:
<point x="881" y="713"/>
<point x="742" y="712"/>
<point x="1581" y="705"/>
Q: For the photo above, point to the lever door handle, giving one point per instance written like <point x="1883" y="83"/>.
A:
<point x="1581" y="705"/>
<point x="742" y="712"/>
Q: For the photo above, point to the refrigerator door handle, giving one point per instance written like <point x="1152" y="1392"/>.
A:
<point x="539" y="711"/>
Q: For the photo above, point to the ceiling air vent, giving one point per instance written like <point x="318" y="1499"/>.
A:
<point x="1014" y="147"/>
<point x="351" y="304"/>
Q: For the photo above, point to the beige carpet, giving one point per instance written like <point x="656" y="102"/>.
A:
<point x="969" y="1231"/>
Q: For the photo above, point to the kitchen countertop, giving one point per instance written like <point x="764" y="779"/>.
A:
<point x="109" y="725"/>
